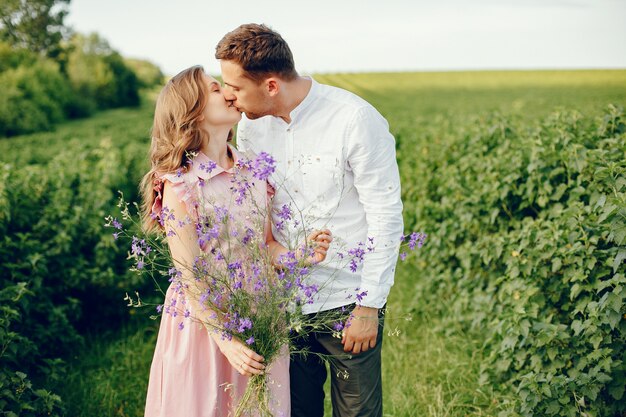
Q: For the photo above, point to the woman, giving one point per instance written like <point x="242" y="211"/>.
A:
<point x="196" y="372"/>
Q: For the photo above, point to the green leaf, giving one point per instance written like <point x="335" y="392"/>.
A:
<point x="617" y="391"/>
<point x="619" y="258"/>
<point x="577" y="327"/>
<point x="608" y="210"/>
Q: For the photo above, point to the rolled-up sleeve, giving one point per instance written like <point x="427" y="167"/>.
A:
<point x="372" y="157"/>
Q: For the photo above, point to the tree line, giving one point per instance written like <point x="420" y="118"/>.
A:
<point x="48" y="73"/>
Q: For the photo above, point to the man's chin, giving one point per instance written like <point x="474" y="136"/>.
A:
<point x="253" y="116"/>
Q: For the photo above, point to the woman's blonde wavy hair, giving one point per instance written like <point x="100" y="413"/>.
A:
<point x="176" y="132"/>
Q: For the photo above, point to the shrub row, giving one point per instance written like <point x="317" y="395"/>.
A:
<point x="527" y="243"/>
<point x="62" y="273"/>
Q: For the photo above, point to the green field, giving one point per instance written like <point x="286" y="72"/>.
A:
<point x="449" y="360"/>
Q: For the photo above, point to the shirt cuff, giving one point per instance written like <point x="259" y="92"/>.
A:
<point x="376" y="296"/>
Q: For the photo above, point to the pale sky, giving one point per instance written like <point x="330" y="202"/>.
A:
<point x="368" y="35"/>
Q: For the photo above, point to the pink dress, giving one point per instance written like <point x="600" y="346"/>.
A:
<point x="189" y="376"/>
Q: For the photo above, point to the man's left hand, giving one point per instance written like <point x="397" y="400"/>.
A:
<point x="361" y="331"/>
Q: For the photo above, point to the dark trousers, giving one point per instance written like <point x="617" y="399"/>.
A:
<point x="356" y="381"/>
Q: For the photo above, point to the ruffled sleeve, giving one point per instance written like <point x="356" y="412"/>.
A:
<point x="184" y="186"/>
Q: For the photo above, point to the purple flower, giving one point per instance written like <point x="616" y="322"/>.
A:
<point x="416" y="239"/>
<point x="263" y="166"/>
<point x="221" y="213"/>
<point x="256" y="271"/>
<point x="139" y="247"/>
<point x="240" y="188"/>
<point x="140" y="264"/>
<point x="159" y="308"/>
<point x="285" y="212"/>
<point x="116" y="224"/>
<point x="250" y="340"/>
<point x="208" y="167"/>
<point x="356" y="255"/>
<point x="234" y="265"/>
<point x="403" y="256"/>
<point x="205" y="296"/>
<point x="248" y="236"/>
<point x="338" y="326"/>
<point x="181" y="326"/>
<point x="310" y="291"/>
<point x="360" y="296"/>
<point x="244" y="324"/>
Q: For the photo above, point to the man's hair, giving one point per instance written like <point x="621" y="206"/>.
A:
<point x="259" y="51"/>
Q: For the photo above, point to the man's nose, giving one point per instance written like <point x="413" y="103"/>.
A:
<point x="228" y="95"/>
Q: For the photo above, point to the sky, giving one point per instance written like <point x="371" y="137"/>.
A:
<point x="370" y="35"/>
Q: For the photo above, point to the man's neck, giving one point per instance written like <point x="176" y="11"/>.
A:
<point x="294" y="92"/>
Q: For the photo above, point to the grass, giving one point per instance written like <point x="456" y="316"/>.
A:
<point x="110" y="377"/>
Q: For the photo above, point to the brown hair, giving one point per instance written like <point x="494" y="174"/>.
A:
<point x="176" y="132"/>
<point x="259" y="50"/>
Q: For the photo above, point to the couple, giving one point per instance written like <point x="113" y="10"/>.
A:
<point x="335" y="156"/>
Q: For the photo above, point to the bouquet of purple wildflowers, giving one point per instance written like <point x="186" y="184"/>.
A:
<point x="233" y="285"/>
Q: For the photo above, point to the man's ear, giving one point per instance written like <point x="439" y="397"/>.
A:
<point x="273" y="86"/>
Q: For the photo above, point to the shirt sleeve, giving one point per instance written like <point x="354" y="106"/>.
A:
<point x="372" y="157"/>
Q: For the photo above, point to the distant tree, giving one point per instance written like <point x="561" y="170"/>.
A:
<point x="11" y="57"/>
<point x="149" y="74"/>
<point x="99" y="75"/>
<point x="36" y="25"/>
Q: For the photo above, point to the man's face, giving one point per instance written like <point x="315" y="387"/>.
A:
<point x="248" y="96"/>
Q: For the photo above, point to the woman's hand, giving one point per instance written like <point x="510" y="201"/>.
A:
<point x="317" y="244"/>
<point x="246" y="361"/>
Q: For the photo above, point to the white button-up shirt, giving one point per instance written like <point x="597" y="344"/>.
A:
<point x="335" y="168"/>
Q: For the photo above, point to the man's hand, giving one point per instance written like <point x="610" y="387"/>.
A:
<point x="361" y="330"/>
<point x="318" y="244"/>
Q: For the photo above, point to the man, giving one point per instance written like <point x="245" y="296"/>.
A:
<point x="336" y="169"/>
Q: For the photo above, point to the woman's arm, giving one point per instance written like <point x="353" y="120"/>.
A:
<point x="184" y="248"/>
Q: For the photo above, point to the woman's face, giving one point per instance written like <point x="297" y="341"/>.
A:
<point x="218" y="111"/>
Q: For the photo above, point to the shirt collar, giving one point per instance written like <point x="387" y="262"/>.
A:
<point x="310" y="97"/>
<point x="204" y="167"/>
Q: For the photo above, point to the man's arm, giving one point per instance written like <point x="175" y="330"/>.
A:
<point x="372" y="157"/>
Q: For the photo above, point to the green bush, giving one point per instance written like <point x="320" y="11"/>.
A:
<point x="527" y="242"/>
<point x="33" y="98"/>
<point x="63" y="274"/>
